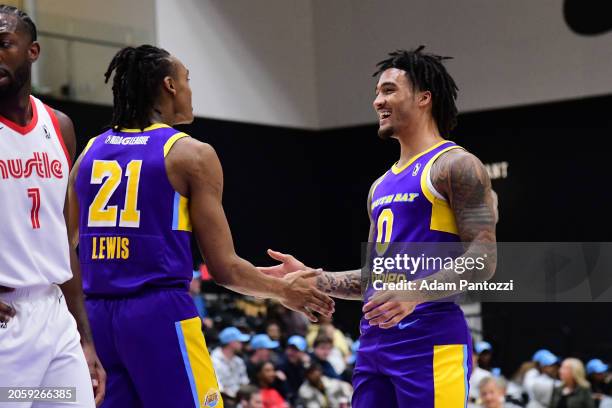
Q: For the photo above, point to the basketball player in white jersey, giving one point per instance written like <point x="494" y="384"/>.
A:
<point x="41" y="343"/>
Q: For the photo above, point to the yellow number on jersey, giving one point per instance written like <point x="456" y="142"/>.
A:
<point x="385" y="221"/>
<point x="102" y="215"/>
<point x="130" y="216"/>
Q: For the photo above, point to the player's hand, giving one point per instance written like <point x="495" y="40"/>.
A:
<point x="302" y="295"/>
<point x="98" y="375"/>
<point x="387" y="314"/>
<point x="288" y="264"/>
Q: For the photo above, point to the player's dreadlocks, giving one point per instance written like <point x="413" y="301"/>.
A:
<point x="139" y="73"/>
<point x="426" y="73"/>
<point x="26" y="21"/>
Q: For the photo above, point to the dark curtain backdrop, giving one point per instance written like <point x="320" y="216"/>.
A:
<point x="304" y="192"/>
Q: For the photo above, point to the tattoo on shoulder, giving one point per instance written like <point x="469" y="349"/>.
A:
<point x="463" y="179"/>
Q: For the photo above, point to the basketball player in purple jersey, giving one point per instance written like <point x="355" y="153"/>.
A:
<point x="45" y="339"/>
<point x="138" y="191"/>
<point x="417" y="353"/>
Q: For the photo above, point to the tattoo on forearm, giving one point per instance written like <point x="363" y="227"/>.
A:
<point x="346" y="285"/>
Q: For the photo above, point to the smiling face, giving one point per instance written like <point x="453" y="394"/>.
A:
<point x="17" y="53"/>
<point x="397" y="104"/>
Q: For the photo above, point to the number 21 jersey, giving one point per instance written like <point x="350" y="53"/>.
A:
<point x="134" y="228"/>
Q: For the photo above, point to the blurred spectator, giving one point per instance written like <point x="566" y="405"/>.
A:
<point x="322" y="347"/>
<point x="291" y="322"/>
<point x="273" y="331"/>
<point x="231" y="370"/>
<point x="606" y="402"/>
<point x="515" y="389"/>
<point x="574" y="392"/>
<point x="599" y="378"/>
<point x="493" y="393"/>
<point x="195" y="290"/>
<point x="481" y="348"/>
<point x="249" y="396"/>
<point x="261" y="346"/>
<point x="540" y="381"/>
<point x="265" y="377"/>
<point x="484" y="351"/>
<point x="319" y="391"/>
<point x="340" y="351"/>
<point x="294" y="365"/>
<point x="327" y="328"/>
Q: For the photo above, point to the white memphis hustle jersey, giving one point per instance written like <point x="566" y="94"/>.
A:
<point x="34" y="168"/>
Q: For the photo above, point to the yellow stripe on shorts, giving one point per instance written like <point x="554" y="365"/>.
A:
<point x="199" y="367"/>
<point x="450" y="376"/>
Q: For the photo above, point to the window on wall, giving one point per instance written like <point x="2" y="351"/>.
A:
<point x="78" y="40"/>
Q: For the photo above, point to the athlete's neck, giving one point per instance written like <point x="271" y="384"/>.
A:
<point x="416" y="140"/>
<point x="17" y="108"/>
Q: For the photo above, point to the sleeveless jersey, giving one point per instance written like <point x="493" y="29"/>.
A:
<point x="34" y="169"/>
<point x="134" y="228"/>
<point x="406" y="208"/>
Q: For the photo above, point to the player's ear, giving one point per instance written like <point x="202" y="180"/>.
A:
<point x="168" y="85"/>
<point x="33" y="51"/>
<point x="424" y="98"/>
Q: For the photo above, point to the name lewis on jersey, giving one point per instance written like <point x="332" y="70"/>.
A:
<point x="40" y="165"/>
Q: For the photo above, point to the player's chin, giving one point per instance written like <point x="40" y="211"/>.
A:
<point x="385" y="132"/>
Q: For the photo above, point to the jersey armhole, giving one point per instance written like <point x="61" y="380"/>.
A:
<point x="431" y="187"/>
<point x="172" y="140"/>
<point x="58" y="132"/>
<point x="88" y="145"/>
<point x="426" y="184"/>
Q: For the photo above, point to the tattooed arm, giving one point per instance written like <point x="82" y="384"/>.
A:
<point x="349" y="284"/>
<point x="344" y="285"/>
<point x="463" y="180"/>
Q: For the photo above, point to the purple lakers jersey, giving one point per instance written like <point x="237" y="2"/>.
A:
<point x="406" y="208"/>
<point x="134" y="228"/>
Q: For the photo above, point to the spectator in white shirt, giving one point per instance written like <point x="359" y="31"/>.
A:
<point x="539" y="382"/>
<point x="230" y="368"/>
<point x="479" y="373"/>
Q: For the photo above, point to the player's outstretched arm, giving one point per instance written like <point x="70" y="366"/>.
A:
<point x="195" y="171"/>
<point x="344" y="285"/>
<point x="73" y="289"/>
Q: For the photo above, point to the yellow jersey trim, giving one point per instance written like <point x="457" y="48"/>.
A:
<point x="181" y="221"/>
<point x="152" y="127"/>
<point x="442" y="216"/>
<point x="89" y="143"/>
<point x="170" y="142"/>
<point x="375" y="185"/>
<point x="397" y="170"/>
